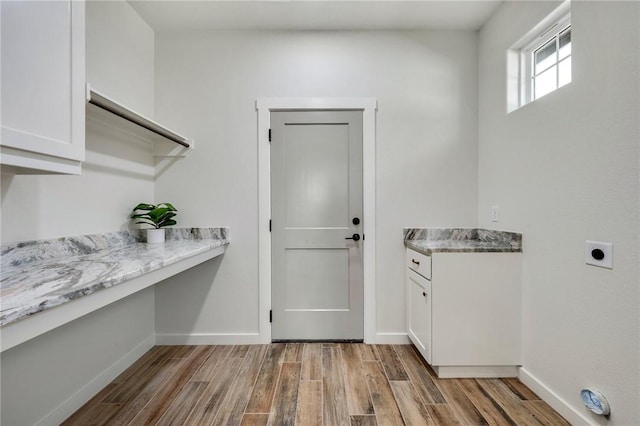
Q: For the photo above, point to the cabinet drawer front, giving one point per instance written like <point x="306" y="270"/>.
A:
<point x="419" y="263"/>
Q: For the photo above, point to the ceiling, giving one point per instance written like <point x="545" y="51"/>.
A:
<point x="186" y="15"/>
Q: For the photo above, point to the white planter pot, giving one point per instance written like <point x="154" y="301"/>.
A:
<point x="155" y="236"/>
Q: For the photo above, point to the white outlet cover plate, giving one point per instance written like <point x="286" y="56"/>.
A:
<point x="495" y="214"/>
<point x="607" y="249"/>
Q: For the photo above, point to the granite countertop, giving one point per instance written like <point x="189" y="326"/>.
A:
<point x="461" y="240"/>
<point x="39" y="275"/>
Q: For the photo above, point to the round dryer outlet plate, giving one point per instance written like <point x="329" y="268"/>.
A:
<point x="595" y="401"/>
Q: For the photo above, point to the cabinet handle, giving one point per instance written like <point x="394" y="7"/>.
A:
<point x="415" y="262"/>
<point x="424" y="294"/>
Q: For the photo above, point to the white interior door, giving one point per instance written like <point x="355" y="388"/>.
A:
<point x="317" y="241"/>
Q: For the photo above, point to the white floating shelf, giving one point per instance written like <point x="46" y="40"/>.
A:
<point x="147" y="126"/>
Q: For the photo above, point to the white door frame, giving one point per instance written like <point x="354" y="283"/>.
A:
<point x="368" y="106"/>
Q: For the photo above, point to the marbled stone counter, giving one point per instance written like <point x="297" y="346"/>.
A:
<point x="40" y="275"/>
<point x="432" y="240"/>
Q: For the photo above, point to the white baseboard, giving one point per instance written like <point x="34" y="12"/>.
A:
<point x="77" y="400"/>
<point x="209" y="339"/>
<point x="390" y="339"/>
<point x="475" y="371"/>
<point x="551" y="398"/>
<point x="255" y="339"/>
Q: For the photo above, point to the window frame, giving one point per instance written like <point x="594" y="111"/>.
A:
<point x="527" y="53"/>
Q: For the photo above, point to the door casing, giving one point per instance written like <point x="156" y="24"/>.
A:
<point x="368" y="106"/>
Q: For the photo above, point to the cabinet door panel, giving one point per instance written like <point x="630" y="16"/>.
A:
<point x="43" y="77"/>
<point x="477" y="317"/>
<point x="36" y="77"/>
<point x="419" y="313"/>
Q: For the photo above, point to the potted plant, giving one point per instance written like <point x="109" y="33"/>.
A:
<point x="156" y="215"/>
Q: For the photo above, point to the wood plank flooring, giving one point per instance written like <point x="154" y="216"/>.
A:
<point x="305" y="384"/>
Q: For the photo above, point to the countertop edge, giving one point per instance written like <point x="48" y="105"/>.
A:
<point x="428" y="251"/>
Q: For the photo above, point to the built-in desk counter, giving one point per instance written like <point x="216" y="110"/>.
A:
<point x="45" y="284"/>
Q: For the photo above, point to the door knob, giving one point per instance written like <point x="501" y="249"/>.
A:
<point x="354" y="237"/>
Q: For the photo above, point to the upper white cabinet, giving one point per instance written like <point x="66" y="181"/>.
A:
<point x="43" y="86"/>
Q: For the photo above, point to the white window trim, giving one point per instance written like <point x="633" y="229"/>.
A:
<point x="526" y="55"/>
<point x="518" y="65"/>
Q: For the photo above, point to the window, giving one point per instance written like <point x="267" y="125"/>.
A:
<point x="540" y="62"/>
<point x="550" y="63"/>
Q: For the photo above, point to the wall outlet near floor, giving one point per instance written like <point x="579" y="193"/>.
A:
<point x="495" y="214"/>
<point x="599" y="254"/>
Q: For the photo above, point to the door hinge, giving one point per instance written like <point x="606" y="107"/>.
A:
<point x="270" y="315"/>
<point x="269" y="135"/>
<point x="269" y="225"/>
<point x="362" y="237"/>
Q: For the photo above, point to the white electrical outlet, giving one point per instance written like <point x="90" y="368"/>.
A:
<point x="495" y="214"/>
<point x="599" y="254"/>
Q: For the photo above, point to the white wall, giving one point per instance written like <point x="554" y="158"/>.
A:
<point x="564" y="169"/>
<point x="120" y="55"/>
<point x="206" y="87"/>
<point x="47" y="378"/>
<point x="39" y="375"/>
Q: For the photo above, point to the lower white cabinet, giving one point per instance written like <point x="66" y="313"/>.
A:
<point x="465" y="317"/>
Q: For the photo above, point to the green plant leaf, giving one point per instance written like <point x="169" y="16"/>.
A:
<point x="144" y="206"/>
<point x="147" y="222"/>
<point x="168" y="206"/>
<point x="156" y="215"/>
<point x="136" y="216"/>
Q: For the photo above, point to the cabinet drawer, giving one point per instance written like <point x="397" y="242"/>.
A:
<point x="419" y="263"/>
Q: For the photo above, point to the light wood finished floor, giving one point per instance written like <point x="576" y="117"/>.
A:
<point x="305" y="384"/>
